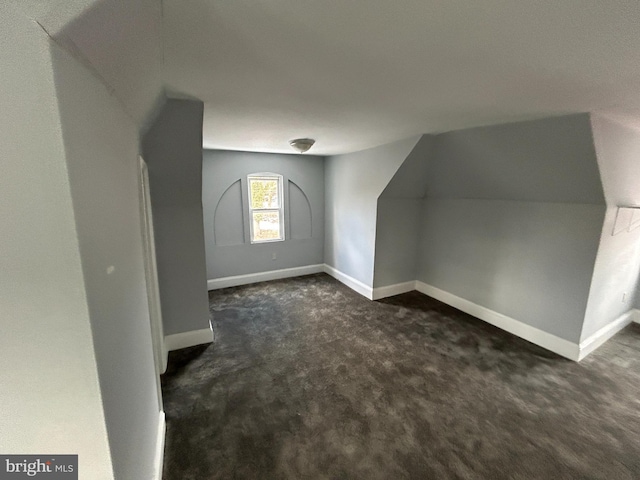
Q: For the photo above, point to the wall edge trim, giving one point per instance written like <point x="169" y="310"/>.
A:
<point x="177" y="341"/>
<point x="543" y="339"/>
<point x="635" y="315"/>
<point x="236" y="280"/>
<point x="395" y="289"/>
<point x="605" y="333"/>
<point x="349" y="281"/>
<point x="160" y="440"/>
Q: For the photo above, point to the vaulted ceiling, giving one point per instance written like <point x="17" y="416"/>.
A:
<point x="358" y="73"/>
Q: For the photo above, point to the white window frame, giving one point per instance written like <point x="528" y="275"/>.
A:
<point x="279" y="210"/>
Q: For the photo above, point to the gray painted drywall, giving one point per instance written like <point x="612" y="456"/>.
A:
<point x="398" y="218"/>
<point x="616" y="271"/>
<point x="512" y="220"/>
<point x="172" y="149"/>
<point x="397" y="240"/>
<point x="615" y="276"/>
<point x="548" y="160"/>
<point x="531" y="261"/>
<point x="617" y="143"/>
<point x="353" y="183"/>
<point x="50" y="400"/>
<point x="226" y="223"/>
<point x="227" y="215"/>
<point x="411" y="179"/>
<point x="102" y="159"/>
<point x="301" y="213"/>
<point x="121" y="40"/>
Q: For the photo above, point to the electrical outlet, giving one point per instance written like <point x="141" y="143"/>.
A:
<point x="274" y="256"/>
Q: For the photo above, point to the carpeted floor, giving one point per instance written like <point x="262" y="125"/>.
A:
<point x="308" y="380"/>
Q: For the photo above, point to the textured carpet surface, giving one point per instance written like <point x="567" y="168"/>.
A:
<point x="308" y="380"/>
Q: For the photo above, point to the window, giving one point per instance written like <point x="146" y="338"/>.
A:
<point x="265" y="207"/>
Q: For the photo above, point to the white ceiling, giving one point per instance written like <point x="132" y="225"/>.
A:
<point x="358" y="73"/>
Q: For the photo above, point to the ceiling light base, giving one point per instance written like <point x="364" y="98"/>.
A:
<point x="302" y="144"/>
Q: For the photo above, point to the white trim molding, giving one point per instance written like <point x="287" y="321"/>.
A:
<point x="159" y="454"/>
<point x="565" y="348"/>
<point x="391" y="290"/>
<point x="224" y="282"/>
<point x="541" y="338"/>
<point x="165" y="354"/>
<point x="350" y="282"/>
<point x="188" y="339"/>
<point x="605" y="333"/>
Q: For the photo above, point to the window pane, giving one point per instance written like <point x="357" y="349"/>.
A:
<point x="266" y="226"/>
<point x="264" y="192"/>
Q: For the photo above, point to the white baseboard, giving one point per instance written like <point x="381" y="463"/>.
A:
<point x="391" y="290"/>
<point x="543" y="339"/>
<point x="236" y="280"/>
<point x="562" y="347"/>
<point x="188" y="339"/>
<point x="159" y="454"/>
<point x="605" y="333"/>
<point x="350" y="282"/>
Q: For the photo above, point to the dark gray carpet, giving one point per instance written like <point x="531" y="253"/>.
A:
<point x="308" y="380"/>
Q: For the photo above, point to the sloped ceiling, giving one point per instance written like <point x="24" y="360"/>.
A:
<point x="120" y="41"/>
<point x="412" y="178"/>
<point x="359" y="73"/>
<point x="546" y="160"/>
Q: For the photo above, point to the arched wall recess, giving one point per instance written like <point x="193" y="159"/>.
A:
<point x="228" y="225"/>
<point x="300" y="217"/>
<point x="228" y="255"/>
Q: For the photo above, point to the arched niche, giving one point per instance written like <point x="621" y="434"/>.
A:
<point x="228" y="226"/>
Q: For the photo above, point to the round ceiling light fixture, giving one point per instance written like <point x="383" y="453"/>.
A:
<point x="302" y="144"/>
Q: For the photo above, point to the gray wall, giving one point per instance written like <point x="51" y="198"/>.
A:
<point x="616" y="271"/>
<point x="101" y="144"/>
<point x="399" y="218"/>
<point x="50" y="397"/>
<point x="512" y="220"/>
<point x="172" y="149"/>
<point x="397" y="239"/>
<point x="226" y="222"/>
<point x="411" y="179"/>
<point x="548" y="160"/>
<point x="353" y="184"/>
<point x="531" y="261"/>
